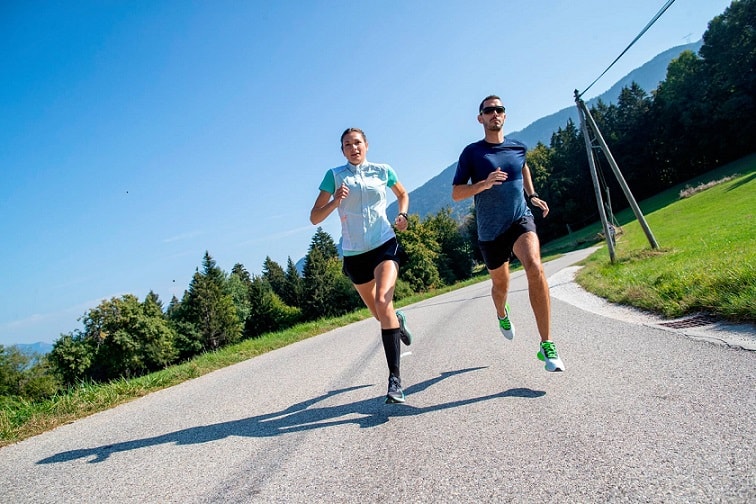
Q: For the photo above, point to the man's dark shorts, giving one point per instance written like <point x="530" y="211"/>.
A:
<point x="498" y="251"/>
<point x="360" y="268"/>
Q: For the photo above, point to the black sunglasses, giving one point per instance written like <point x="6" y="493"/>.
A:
<point x="491" y="110"/>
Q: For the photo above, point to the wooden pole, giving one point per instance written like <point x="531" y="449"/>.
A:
<point x="594" y="177"/>
<point x="620" y="178"/>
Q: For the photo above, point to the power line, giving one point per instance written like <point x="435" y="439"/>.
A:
<point x="650" y="23"/>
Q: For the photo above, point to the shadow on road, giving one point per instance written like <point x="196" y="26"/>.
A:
<point x="296" y="418"/>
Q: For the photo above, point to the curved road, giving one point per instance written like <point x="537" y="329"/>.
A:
<point x="641" y="414"/>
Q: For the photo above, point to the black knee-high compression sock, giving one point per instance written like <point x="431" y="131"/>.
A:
<point x="392" y="349"/>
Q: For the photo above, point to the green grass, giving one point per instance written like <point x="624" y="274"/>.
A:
<point x="707" y="263"/>
<point x="707" y="257"/>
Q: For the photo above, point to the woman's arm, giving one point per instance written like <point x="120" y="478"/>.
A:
<point x="402" y="198"/>
<point x="324" y="205"/>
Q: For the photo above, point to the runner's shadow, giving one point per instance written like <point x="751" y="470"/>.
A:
<point x="296" y="418"/>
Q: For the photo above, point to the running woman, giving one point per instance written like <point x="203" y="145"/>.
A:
<point x="372" y="255"/>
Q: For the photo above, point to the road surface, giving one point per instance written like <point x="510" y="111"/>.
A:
<point x="642" y="414"/>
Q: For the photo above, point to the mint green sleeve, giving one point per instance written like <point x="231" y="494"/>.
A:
<point x="391" y="177"/>
<point x="329" y="183"/>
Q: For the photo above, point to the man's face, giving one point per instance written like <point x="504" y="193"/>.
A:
<point x="354" y="148"/>
<point x="492" y="115"/>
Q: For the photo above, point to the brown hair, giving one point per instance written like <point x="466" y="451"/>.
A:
<point x="352" y="130"/>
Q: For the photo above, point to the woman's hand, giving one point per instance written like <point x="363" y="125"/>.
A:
<point x="401" y="223"/>
<point x="341" y="193"/>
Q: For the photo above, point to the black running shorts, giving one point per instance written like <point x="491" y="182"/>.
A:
<point x="360" y="268"/>
<point x="499" y="250"/>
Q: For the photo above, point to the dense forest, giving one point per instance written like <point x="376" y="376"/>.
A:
<point x="701" y="116"/>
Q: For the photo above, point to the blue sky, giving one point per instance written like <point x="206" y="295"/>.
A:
<point x="136" y="135"/>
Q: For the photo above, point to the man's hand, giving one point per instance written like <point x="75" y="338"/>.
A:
<point x="538" y="202"/>
<point x="496" y="177"/>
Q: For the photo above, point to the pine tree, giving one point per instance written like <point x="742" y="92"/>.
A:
<point x="293" y="291"/>
<point x="324" y="290"/>
<point x="210" y="308"/>
<point x="275" y="275"/>
<point x="325" y="244"/>
<point x="239" y="290"/>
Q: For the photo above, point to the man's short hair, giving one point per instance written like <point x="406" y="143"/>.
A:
<point x="489" y="97"/>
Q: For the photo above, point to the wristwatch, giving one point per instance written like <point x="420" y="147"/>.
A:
<point x="531" y="196"/>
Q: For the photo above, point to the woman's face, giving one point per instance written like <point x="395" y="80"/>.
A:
<point x="354" y="147"/>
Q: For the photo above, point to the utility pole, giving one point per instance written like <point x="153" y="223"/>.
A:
<point x="592" y="134"/>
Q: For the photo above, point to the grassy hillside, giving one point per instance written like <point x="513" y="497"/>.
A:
<point x="707" y="260"/>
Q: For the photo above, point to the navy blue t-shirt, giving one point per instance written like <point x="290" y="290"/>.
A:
<point x="501" y="205"/>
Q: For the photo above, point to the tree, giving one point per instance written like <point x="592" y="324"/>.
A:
<point x="173" y="306"/>
<point x="325" y="244"/>
<point x="12" y="364"/>
<point x="71" y="357"/>
<point x="267" y="312"/>
<point x="419" y="242"/>
<point x="207" y="318"/>
<point x="24" y="375"/>
<point x="470" y="232"/>
<point x="633" y="134"/>
<point x="130" y="338"/>
<point x="275" y="275"/>
<point x="318" y="285"/>
<point x="679" y="117"/>
<point x="327" y="291"/>
<point x="152" y="305"/>
<point x="539" y="162"/>
<point x="238" y="285"/>
<point x="454" y="260"/>
<point x="729" y="59"/>
<point x="569" y="185"/>
<point x="293" y="291"/>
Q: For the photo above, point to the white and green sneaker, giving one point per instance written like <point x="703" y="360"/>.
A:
<point x="548" y="354"/>
<point x="505" y="325"/>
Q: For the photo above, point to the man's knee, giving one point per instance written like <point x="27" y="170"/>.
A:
<point x="533" y="268"/>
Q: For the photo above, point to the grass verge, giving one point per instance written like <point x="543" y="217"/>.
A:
<point x="707" y="260"/>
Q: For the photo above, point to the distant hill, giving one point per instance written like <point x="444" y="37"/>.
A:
<point x="34" y="348"/>
<point x="435" y="194"/>
<point x="647" y="76"/>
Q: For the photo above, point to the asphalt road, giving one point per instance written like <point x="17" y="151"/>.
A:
<point x="642" y="414"/>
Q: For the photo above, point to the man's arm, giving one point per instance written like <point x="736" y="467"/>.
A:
<point x="463" y="191"/>
<point x="527" y="185"/>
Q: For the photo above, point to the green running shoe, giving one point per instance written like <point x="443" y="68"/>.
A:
<point x="506" y="326"/>
<point x="548" y="354"/>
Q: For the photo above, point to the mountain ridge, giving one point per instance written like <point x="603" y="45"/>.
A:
<point x="435" y="194"/>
